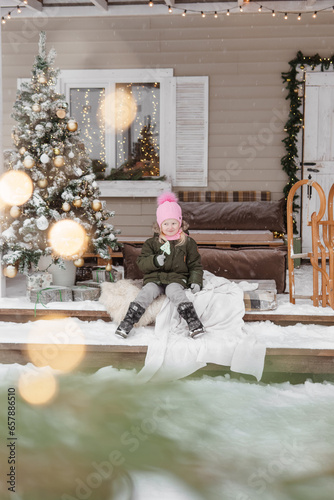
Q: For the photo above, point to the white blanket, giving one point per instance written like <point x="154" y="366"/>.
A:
<point x="172" y="354"/>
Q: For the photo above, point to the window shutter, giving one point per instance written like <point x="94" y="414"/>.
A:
<point x="191" y="131"/>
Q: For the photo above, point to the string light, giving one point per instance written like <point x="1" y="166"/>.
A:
<point x="260" y="8"/>
<point x="273" y="13"/>
<point x="241" y="9"/>
<point x="228" y="12"/>
<point x="3" y="20"/>
<point x="170" y="10"/>
<point x="150" y="4"/>
<point x="286" y="15"/>
<point x="215" y="15"/>
<point x="18" y="9"/>
<point x="25" y="2"/>
<point x="202" y="13"/>
<point x="184" y="13"/>
<point x="8" y="15"/>
<point x="299" y="17"/>
<point x="315" y="15"/>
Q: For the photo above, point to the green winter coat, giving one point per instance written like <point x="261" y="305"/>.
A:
<point x="182" y="266"/>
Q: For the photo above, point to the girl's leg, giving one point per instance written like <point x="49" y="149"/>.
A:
<point x="147" y="294"/>
<point x="185" y="308"/>
<point x="176" y="294"/>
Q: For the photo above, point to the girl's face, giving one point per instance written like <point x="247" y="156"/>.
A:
<point x="170" y="227"/>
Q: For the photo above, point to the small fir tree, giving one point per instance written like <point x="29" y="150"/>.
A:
<point x="48" y="148"/>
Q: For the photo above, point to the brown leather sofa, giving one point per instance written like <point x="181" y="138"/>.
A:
<point x="246" y="262"/>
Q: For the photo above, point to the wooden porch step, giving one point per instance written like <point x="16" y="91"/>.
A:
<point x="25" y="315"/>
<point x="278" y="360"/>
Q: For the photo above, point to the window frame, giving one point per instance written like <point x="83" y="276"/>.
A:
<point x="107" y="79"/>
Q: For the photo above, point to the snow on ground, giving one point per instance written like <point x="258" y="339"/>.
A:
<point x="274" y="442"/>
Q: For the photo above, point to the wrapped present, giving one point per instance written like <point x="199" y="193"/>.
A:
<point x="84" y="273"/>
<point x="40" y="279"/>
<point x="82" y="292"/>
<point x="100" y="275"/>
<point x="90" y="283"/>
<point x="50" y="294"/>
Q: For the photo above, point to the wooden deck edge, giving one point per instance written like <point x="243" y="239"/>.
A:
<point x="25" y="315"/>
<point x="277" y="360"/>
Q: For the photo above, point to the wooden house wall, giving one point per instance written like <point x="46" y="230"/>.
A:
<point x="243" y="55"/>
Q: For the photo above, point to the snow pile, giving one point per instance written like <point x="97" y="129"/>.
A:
<point x="247" y="441"/>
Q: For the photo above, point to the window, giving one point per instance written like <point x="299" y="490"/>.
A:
<point x="141" y="123"/>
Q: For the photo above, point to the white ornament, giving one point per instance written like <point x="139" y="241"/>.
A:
<point x="98" y="215"/>
<point x="71" y="154"/>
<point x="42" y="223"/>
<point x="45" y="158"/>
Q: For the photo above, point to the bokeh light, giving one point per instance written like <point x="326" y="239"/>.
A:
<point x="37" y="387"/>
<point x="61" y="344"/>
<point x="16" y="187"/>
<point x="119" y="110"/>
<point x="68" y="239"/>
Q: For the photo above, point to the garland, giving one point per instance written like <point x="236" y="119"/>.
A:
<point x="295" y="120"/>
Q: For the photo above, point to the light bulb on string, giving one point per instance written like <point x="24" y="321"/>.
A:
<point x="8" y="15"/>
<point x="215" y="15"/>
<point x="3" y="20"/>
<point x="286" y="15"/>
<point x="170" y="10"/>
<point x="150" y="4"/>
<point x="241" y="9"/>
<point x="273" y="13"/>
<point x="299" y="17"/>
<point x="260" y="8"/>
<point x="18" y="9"/>
<point x="202" y="13"/>
<point x="314" y="15"/>
<point x="228" y="12"/>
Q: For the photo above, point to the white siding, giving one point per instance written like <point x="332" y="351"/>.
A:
<point x="242" y="55"/>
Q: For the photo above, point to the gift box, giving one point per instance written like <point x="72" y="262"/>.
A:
<point x="82" y="292"/>
<point x="39" y="280"/>
<point x="84" y="273"/>
<point x="50" y="294"/>
<point x="100" y="275"/>
<point x="90" y="283"/>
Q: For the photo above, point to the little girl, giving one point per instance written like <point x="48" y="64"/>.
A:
<point x="170" y="262"/>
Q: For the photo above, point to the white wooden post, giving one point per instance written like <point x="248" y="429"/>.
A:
<point x="2" y="278"/>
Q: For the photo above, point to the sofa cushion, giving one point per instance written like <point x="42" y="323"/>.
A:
<point x="256" y="215"/>
<point x="256" y="263"/>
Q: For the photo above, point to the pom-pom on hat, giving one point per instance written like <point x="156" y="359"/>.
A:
<point x="168" y="208"/>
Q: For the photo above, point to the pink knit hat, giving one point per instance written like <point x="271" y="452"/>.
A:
<point x="168" y="208"/>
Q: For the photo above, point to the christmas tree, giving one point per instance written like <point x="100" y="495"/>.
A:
<point x="48" y="148"/>
<point x="144" y="161"/>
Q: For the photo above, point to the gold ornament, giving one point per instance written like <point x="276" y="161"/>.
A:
<point x="42" y="183"/>
<point x="77" y="202"/>
<point x="59" y="161"/>
<point x="61" y="113"/>
<point x="72" y="125"/>
<point x="66" y="206"/>
<point x="28" y="162"/>
<point x="42" y="79"/>
<point x="10" y="271"/>
<point x="108" y="267"/>
<point x="79" y="262"/>
<point x="15" y="212"/>
<point x="56" y="151"/>
<point x="36" y="108"/>
<point x="22" y="150"/>
<point x="96" y="205"/>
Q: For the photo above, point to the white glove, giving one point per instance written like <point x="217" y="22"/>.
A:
<point x="161" y="259"/>
<point x="195" y="288"/>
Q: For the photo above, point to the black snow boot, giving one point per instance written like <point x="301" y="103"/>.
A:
<point x="187" y="311"/>
<point x="132" y="316"/>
